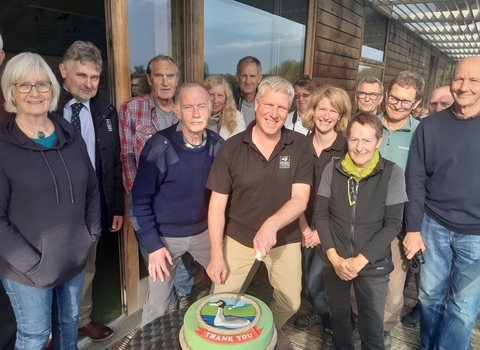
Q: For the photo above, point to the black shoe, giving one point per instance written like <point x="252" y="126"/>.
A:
<point x="355" y="334"/>
<point x="412" y="319"/>
<point x="327" y="340"/>
<point x="387" y="340"/>
<point x="308" y="321"/>
<point x="184" y="301"/>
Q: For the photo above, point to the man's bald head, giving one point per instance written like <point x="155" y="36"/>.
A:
<point x="441" y="99"/>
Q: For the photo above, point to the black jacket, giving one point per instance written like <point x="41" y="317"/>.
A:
<point x="107" y="155"/>
<point x="49" y="205"/>
<point x="368" y="226"/>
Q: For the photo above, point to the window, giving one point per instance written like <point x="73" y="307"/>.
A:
<point x="271" y="30"/>
<point x="374" y="35"/>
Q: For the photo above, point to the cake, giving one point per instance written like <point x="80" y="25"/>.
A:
<point x="215" y="323"/>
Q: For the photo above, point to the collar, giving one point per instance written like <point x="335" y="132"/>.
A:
<point x="187" y="144"/>
<point x="408" y="126"/>
<point x="285" y="137"/>
<point x="337" y="145"/>
<point x="459" y="116"/>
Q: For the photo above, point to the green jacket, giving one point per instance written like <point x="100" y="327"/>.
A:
<point x="396" y="145"/>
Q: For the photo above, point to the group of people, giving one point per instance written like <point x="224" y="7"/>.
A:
<point x="218" y="175"/>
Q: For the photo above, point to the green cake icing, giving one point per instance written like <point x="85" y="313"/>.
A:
<point x="213" y="323"/>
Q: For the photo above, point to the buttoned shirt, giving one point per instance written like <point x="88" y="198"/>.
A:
<point x="138" y="122"/>
<point x="86" y="124"/>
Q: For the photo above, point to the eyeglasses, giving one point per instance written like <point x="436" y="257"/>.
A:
<point x="404" y="103"/>
<point x="25" y="88"/>
<point x="297" y="96"/>
<point x="371" y="95"/>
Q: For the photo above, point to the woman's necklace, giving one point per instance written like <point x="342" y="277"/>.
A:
<point x="40" y="133"/>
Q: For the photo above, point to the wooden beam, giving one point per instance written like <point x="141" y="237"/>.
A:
<point x="194" y="40"/>
<point x="310" y="38"/>
<point x="117" y="37"/>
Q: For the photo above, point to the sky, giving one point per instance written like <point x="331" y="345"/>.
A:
<point x="232" y="31"/>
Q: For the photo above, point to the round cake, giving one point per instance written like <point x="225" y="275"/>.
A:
<point x="216" y="322"/>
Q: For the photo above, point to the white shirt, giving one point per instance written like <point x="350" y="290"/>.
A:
<point x="86" y="124"/>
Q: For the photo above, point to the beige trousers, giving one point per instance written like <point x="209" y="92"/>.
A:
<point x="284" y="266"/>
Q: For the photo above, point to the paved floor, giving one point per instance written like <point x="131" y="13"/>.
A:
<point x="403" y="338"/>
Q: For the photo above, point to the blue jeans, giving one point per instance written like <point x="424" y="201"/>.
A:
<point x="315" y="284"/>
<point x="184" y="278"/>
<point x="39" y="312"/>
<point x="447" y="324"/>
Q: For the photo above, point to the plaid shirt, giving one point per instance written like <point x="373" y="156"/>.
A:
<point x="138" y="122"/>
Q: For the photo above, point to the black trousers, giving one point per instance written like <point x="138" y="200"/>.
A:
<point x="370" y="292"/>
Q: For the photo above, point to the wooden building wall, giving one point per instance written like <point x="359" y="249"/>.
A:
<point x="338" y="43"/>
<point x="337" y="48"/>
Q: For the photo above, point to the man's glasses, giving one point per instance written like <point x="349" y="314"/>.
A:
<point x="25" y="88"/>
<point x="297" y="96"/>
<point x="404" y="103"/>
<point x="371" y="95"/>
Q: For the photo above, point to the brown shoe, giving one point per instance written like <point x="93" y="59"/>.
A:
<point x="95" y="331"/>
<point x="49" y="345"/>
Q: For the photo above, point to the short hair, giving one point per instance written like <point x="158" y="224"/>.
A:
<point x="84" y="52"/>
<point x="276" y="84"/>
<point x="409" y="79"/>
<point x="371" y="80"/>
<point x="250" y="59"/>
<point x="370" y="119"/>
<point x="187" y="85"/>
<point x="160" y="58"/>
<point x="306" y="83"/>
<point x="22" y="66"/>
<point x="228" y="116"/>
<point x="339" y="100"/>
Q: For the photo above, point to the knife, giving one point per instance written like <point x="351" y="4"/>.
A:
<point x="248" y="279"/>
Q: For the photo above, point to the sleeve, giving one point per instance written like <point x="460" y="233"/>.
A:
<point x="14" y="248"/>
<point x="220" y="179"/>
<point x="322" y="214"/>
<point x="118" y="188"/>
<point x="391" y="227"/>
<point x="396" y="187"/>
<point x="127" y="140"/>
<point x="392" y="224"/>
<point x="304" y="171"/>
<point x="92" y="203"/>
<point x="141" y="201"/>
<point x="416" y="177"/>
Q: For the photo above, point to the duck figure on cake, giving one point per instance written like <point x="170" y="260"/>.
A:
<point x="231" y="322"/>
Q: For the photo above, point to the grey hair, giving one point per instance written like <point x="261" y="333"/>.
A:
<point x="276" y="84"/>
<point x="21" y="66"/>
<point x="250" y="59"/>
<point x="371" y="80"/>
<point x="410" y="79"/>
<point x="83" y="51"/>
<point x="161" y="58"/>
<point x="1" y="42"/>
<point x="187" y="85"/>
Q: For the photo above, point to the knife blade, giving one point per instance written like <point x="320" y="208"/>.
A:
<point x="248" y="279"/>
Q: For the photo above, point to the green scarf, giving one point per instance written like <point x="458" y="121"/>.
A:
<point x="349" y="167"/>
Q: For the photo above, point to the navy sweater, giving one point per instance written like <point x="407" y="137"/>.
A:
<point x="442" y="173"/>
<point x="169" y="197"/>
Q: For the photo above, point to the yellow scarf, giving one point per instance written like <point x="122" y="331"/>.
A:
<point x="349" y="167"/>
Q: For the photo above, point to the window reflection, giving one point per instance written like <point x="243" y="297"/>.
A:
<point x="374" y="35"/>
<point x="154" y="28"/>
<point x="366" y="71"/>
<point x="271" y="30"/>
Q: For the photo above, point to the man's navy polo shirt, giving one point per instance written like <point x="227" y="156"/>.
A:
<point x="258" y="187"/>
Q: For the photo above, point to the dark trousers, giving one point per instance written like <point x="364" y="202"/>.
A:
<point x="370" y="292"/>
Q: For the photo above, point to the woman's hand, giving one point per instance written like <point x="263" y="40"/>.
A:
<point x="310" y="239"/>
<point x="343" y="268"/>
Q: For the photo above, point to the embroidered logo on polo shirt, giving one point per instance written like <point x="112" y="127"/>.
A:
<point x="284" y="162"/>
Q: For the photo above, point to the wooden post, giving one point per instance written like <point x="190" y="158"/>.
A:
<point x="194" y="40"/>
<point x="117" y="37"/>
